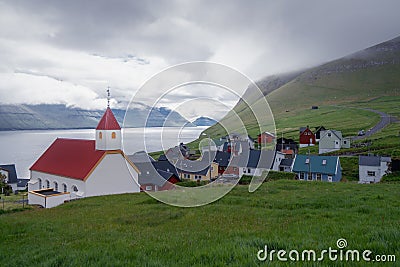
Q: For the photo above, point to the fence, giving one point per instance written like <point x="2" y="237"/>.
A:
<point x="13" y="202"/>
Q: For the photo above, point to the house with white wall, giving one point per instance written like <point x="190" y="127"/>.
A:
<point x="371" y="169"/>
<point x="76" y="168"/>
<point x="332" y="140"/>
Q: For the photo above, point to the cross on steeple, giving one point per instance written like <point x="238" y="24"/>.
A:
<point x="108" y="96"/>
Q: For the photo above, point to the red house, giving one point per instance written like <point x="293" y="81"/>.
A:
<point x="307" y="137"/>
<point x="265" y="138"/>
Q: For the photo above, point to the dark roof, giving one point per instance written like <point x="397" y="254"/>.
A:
<point x="222" y="158"/>
<point x="286" y="162"/>
<point x="166" y="166"/>
<point x="302" y="129"/>
<point x="282" y="140"/>
<point x="257" y="159"/>
<point x="279" y="147"/>
<point x="162" y="157"/>
<point x="315" y="164"/>
<point x="150" y="175"/>
<point x="165" y="175"/>
<point x="12" y="174"/>
<point x="372" y="160"/>
<point x="140" y="156"/>
<point x="22" y="182"/>
<point x="193" y="166"/>
<point x="225" y="147"/>
<point x="319" y="128"/>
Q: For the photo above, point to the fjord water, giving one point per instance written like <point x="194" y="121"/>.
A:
<point x="24" y="147"/>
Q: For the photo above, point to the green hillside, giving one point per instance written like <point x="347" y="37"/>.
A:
<point x="367" y="79"/>
<point x="135" y="230"/>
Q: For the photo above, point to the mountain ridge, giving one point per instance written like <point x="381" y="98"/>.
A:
<point x="59" y="116"/>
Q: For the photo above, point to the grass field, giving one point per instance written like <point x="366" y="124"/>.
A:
<point x="135" y="230"/>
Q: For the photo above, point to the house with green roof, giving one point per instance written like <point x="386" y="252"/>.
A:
<point x="317" y="168"/>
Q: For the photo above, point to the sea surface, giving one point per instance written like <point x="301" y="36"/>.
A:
<point x="23" y="148"/>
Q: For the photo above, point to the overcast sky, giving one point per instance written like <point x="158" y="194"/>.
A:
<point x="70" y="51"/>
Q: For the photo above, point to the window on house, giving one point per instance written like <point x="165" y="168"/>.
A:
<point x="55" y="186"/>
<point x="329" y="178"/>
<point x="75" y="188"/>
<point x="329" y="134"/>
<point x="345" y="142"/>
<point x="248" y="170"/>
<point x="100" y="135"/>
<point x="149" y="187"/>
<point x="309" y="176"/>
<point x="302" y="176"/>
<point x="319" y="176"/>
<point x="40" y="183"/>
<point x="47" y="184"/>
<point x="65" y="189"/>
<point x="244" y="170"/>
<point x="371" y="173"/>
<point x="324" y="162"/>
<point x="113" y="135"/>
<point x="307" y="160"/>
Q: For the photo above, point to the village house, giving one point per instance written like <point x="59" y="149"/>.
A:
<point x="306" y="137"/>
<point x="154" y="176"/>
<point x="265" y="138"/>
<point x="257" y="161"/>
<point x="76" y="168"/>
<point x="10" y="175"/>
<point x="318" y="131"/>
<point x="287" y="146"/>
<point x="222" y="159"/>
<point x="317" y="168"/>
<point x="332" y="140"/>
<point x="371" y="169"/>
<point x="286" y="165"/>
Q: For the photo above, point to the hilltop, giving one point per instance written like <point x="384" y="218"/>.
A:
<point x="368" y="78"/>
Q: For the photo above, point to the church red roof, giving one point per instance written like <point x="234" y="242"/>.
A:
<point x="108" y="122"/>
<point x="73" y="158"/>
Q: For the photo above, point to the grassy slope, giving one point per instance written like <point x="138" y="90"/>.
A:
<point x="133" y="229"/>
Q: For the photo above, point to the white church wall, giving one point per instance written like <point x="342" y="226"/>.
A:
<point x="112" y="176"/>
<point x="70" y="183"/>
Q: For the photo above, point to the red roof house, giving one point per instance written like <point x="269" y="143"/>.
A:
<point x="307" y="137"/>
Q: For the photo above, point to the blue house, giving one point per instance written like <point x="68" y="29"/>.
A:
<point x="317" y="168"/>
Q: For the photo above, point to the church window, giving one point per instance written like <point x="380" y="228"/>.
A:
<point x="74" y="188"/>
<point x="47" y="184"/>
<point x="40" y="183"/>
<point x="65" y="188"/>
<point x="55" y="186"/>
<point x="100" y="135"/>
<point x="113" y="135"/>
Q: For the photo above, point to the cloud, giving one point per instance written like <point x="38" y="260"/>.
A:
<point x="70" y="51"/>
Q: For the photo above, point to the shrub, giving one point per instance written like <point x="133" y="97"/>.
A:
<point x="392" y="177"/>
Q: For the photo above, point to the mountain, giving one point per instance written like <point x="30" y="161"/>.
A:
<point x="204" y="121"/>
<point x="362" y="76"/>
<point x="57" y="116"/>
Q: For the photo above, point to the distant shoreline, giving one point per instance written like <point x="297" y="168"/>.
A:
<point x="90" y="128"/>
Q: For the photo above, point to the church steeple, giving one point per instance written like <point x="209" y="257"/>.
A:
<point x="108" y="131"/>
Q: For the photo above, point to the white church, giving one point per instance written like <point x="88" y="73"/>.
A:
<point x="76" y="168"/>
